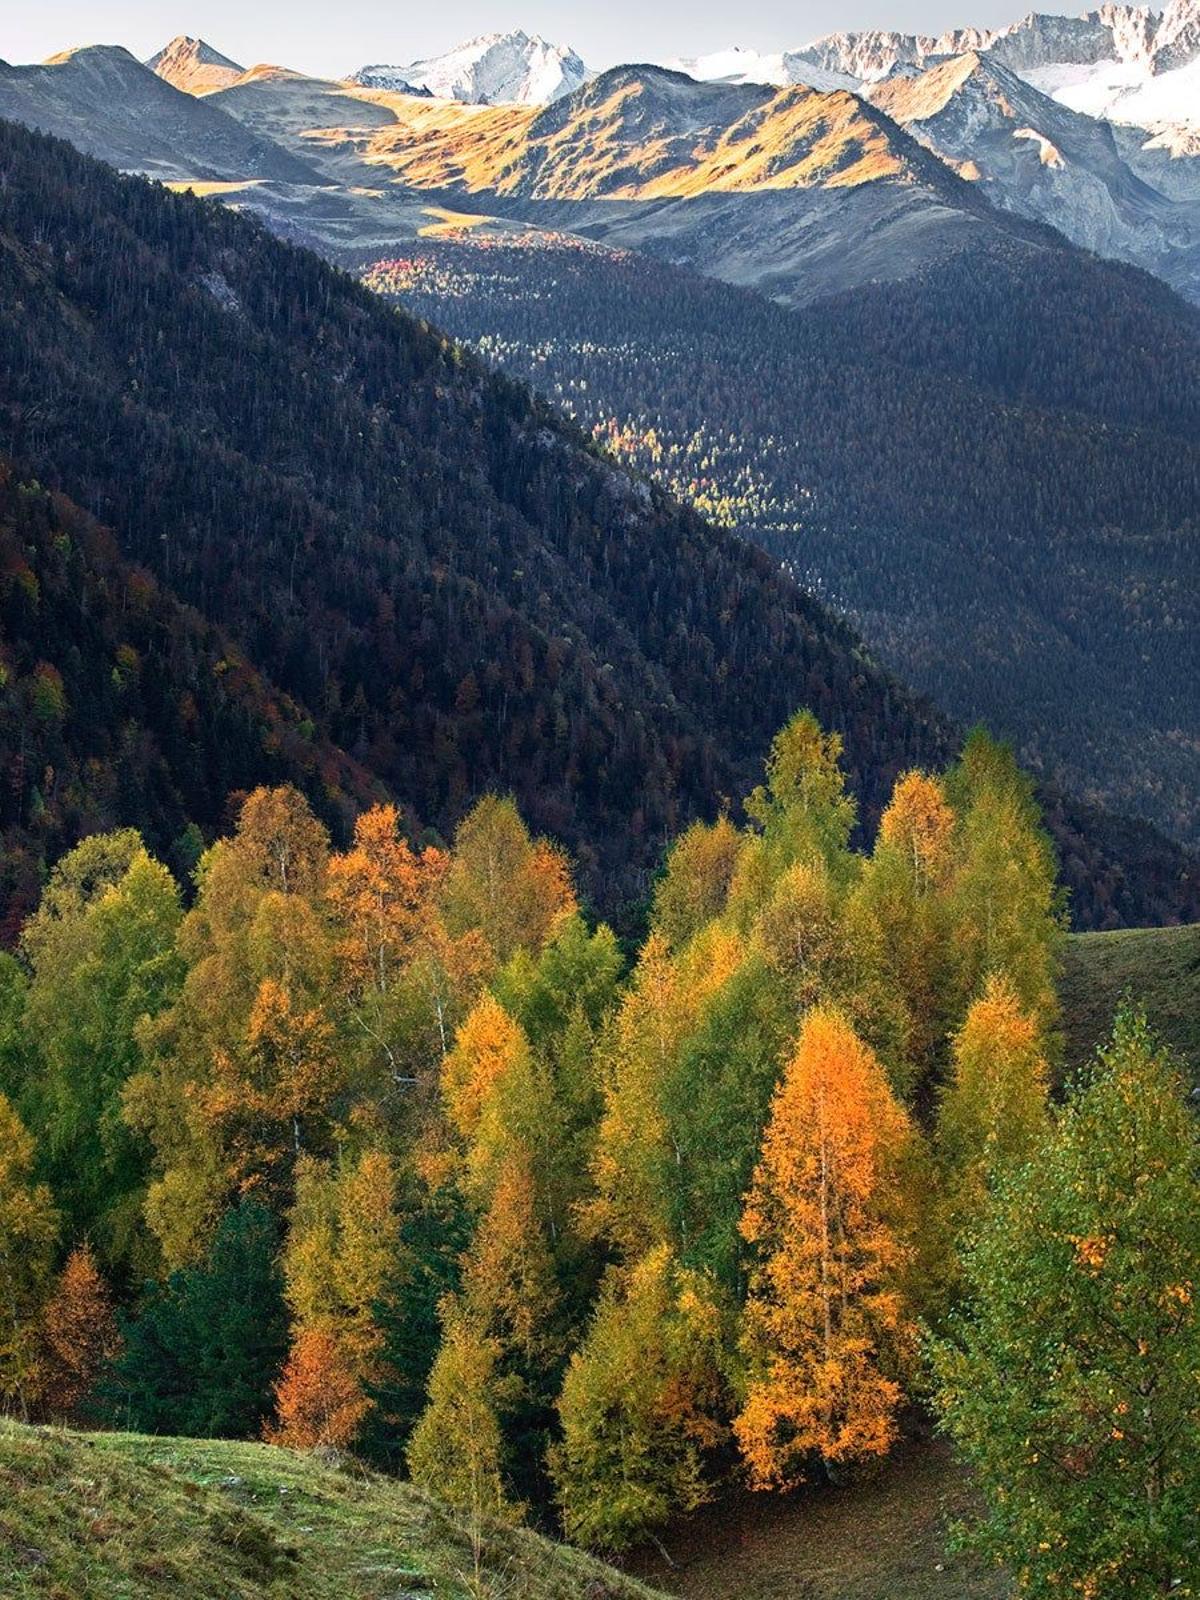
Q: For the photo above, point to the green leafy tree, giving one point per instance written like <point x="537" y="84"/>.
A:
<point x="239" y="1072"/>
<point x="637" y="1406"/>
<point x="995" y="1107"/>
<point x="28" y="1232"/>
<point x="457" y="1450"/>
<point x="1006" y="912"/>
<point x="427" y="1268"/>
<point x="695" y="886"/>
<point x="1070" y="1384"/>
<point x="102" y="956"/>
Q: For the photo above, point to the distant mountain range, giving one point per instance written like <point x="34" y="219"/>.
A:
<point x="1016" y="112"/>
<point x="108" y="104"/>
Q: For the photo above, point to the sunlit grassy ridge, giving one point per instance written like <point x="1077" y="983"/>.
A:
<point x="643" y="135"/>
<point x="122" y="1517"/>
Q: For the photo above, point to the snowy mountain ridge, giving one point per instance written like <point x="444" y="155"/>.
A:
<point x="494" y="69"/>
<point x="1122" y="62"/>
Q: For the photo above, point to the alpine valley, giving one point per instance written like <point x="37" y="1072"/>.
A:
<point x="873" y="304"/>
<point x="600" y="814"/>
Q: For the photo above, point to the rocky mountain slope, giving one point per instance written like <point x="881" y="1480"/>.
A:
<point x="839" y="196"/>
<point x="791" y="190"/>
<point x="1042" y="160"/>
<point x="1123" y="62"/>
<point x="494" y="69"/>
<point x="194" y="66"/>
<point x="111" y="106"/>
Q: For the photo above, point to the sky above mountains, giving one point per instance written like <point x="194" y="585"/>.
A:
<point x="313" y="36"/>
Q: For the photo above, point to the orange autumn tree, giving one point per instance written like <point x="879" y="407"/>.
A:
<point x="79" y="1335"/>
<point x="488" y="1045"/>
<point x="824" y="1319"/>
<point x="318" y="1399"/>
<point x="401" y="977"/>
<point x="381" y="892"/>
<point x="919" y="825"/>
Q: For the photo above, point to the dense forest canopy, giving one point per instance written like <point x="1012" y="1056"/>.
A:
<point x="432" y="579"/>
<point x="391" y="1149"/>
<point x="994" y="472"/>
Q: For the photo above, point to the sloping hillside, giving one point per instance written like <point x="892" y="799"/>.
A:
<point x="417" y="551"/>
<point x="792" y="191"/>
<point x="881" y="1537"/>
<point x="118" y="1517"/>
<point x="1158" y="968"/>
<point x="421" y="554"/>
<point x="993" y="472"/>
<point x="112" y="106"/>
<point x="121" y="707"/>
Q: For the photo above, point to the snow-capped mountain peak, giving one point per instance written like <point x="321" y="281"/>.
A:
<point x="496" y="68"/>
<point x="738" y="65"/>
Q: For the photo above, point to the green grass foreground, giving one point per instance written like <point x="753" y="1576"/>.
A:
<point x="125" y="1517"/>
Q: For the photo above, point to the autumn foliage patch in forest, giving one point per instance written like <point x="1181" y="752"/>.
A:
<point x="393" y="1150"/>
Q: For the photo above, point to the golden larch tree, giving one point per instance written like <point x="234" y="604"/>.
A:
<point x="995" y="1107"/>
<point x="488" y="1045"/>
<point x="824" y="1319"/>
<point x="662" y="1005"/>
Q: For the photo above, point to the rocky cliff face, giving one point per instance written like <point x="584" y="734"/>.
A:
<point x="1036" y="157"/>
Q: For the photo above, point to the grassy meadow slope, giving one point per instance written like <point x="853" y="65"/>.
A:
<point x="1157" y="967"/>
<point x="102" y="1516"/>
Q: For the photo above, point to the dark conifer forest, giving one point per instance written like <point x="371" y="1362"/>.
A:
<point x="447" y="583"/>
<point x="992" y="468"/>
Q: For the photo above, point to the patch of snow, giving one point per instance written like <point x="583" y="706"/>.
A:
<point x="1050" y="155"/>
<point x="781" y="68"/>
